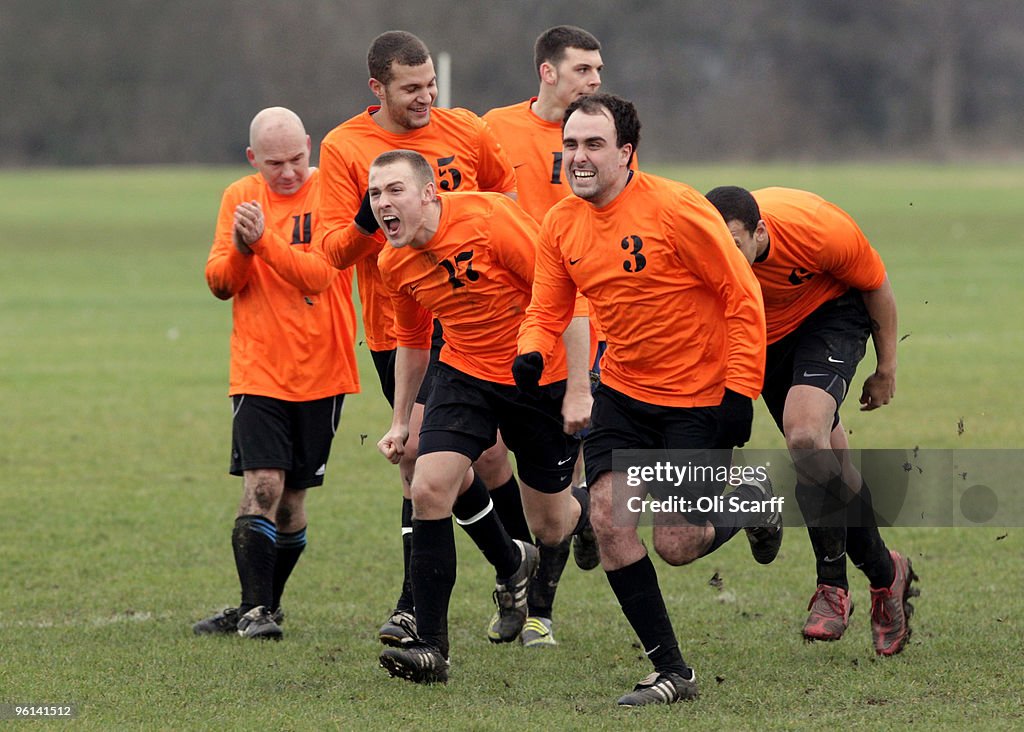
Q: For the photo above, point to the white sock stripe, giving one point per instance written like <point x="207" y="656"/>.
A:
<point x="477" y="517"/>
<point x="406" y="530"/>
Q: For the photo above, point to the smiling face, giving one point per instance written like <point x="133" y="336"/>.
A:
<point x="406" y="99"/>
<point x="596" y="168"/>
<point x="404" y="205"/>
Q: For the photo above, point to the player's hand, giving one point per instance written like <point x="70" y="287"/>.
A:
<point x="735" y="417"/>
<point x="364" y="218"/>
<point x="576" y="407"/>
<point x="527" y="370"/>
<point x="879" y="389"/>
<point x="392" y="445"/>
<point x="249" y="225"/>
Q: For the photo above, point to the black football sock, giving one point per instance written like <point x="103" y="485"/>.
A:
<point x="727" y="523"/>
<point x="289" y="549"/>
<point x="541" y="594"/>
<point x="824" y="512"/>
<point x="254" y="541"/>
<point x="636" y="588"/>
<point x="432" y="568"/>
<point x="405" y="603"/>
<point x="508" y="503"/>
<point x="474" y="512"/>
<point x="864" y="544"/>
<point x="582" y="496"/>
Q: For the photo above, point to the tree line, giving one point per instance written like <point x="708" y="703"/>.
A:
<point x="102" y="82"/>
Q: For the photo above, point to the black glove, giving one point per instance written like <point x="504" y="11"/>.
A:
<point x="735" y="416"/>
<point x="364" y="218"/>
<point x="526" y="370"/>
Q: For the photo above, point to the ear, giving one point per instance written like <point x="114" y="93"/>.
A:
<point x="429" y="194"/>
<point x="250" y="156"/>
<point x="625" y="152"/>
<point x="309" y="145"/>
<point x="376" y="88"/>
<point x="760" y="231"/>
<point x="548" y="73"/>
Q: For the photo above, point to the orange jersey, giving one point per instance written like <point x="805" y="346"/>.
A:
<point x="680" y="308"/>
<point x="293" y="336"/>
<point x="816" y="253"/>
<point x="535" y="147"/>
<point x="474" y="275"/>
<point x="466" y="156"/>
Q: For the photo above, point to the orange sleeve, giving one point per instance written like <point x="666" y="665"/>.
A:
<point x="718" y="263"/>
<point x="551" y="304"/>
<point x="306" y="271"/>
<point x="495" y="171"/>
<point x="846" y="253"/>
<point x="227" y="269"/>
<point x="340" y="196"/>
<point x="414" y="324"/>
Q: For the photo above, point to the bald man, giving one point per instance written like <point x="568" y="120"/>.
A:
<point x="292" y="362"/>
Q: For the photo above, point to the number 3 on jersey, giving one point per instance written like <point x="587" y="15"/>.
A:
<point x="639" y="260"/>
<point x="453" y="269"/>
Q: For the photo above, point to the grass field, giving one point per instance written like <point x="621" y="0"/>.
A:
<point x="116" y="506"/>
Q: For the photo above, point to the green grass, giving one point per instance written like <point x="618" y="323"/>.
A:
<point x="116" y="505"/>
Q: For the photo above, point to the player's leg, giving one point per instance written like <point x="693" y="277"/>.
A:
<point x="495" y="469"/>
<point x="826" y="349"/>
<point x="585" y="548"/>
<point x="433" y="565"/>
<point x="400" y="627"/>
<point x="260" y="453"/>
<point x="889" y="573"/>
<point x="545" y="457"/>
<point x="619" y="422"/>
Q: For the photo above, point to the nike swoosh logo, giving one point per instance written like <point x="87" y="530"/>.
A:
<point x="811" y="376"/>
<point x="648" y="653"/>
<point x="834" y="559"/>
<point x="563" y="462"/>
<point x="574" y="261"/>
<point x="834" y="360"/>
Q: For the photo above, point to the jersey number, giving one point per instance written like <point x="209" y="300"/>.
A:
<point x="302" y="229"/>
<point x="452" y="173"/>
<point x="639" y="260"/>
<point x="453" y="268"/>
<point x="556" y="169"/>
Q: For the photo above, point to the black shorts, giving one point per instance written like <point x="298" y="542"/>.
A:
<point x="620" y="422"/>
<point x="384" y="362"/>
<point x="464" y="414"/>
<point x="823" y="351"/>
<point x="295" y="437"/>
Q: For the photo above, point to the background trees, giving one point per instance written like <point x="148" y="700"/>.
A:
<point x="143" y="81"/>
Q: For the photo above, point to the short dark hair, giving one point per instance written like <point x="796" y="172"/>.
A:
<point x="622" y="111"/>
<point x="736" y="204"/>
<point x="552" y="44"/>
<point x="394" y="47"/>
<point x="420" y="167"/>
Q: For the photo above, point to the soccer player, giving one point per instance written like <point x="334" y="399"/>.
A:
<point x="685" y="330"/>
<point x="568" y="63"/>
<point x="466" y="258"/>
<point x="466" y="156"/>
<point x="825" y="290"/>
<point x="292" y="361"/>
